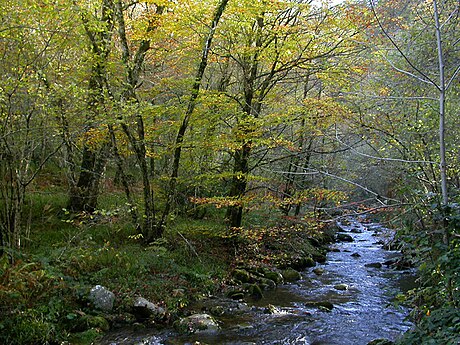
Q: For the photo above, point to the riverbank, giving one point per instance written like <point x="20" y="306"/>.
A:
<point x="46" y="293"/>
<point x="344" y="300"/>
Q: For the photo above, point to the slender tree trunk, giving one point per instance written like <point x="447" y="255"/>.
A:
<point x="136" y="136"/>
<point x="442" y="103"/>
<point x="188" y="114"/>
<point x="238" y="185"/>
<point x="123" y="177"/>
<point x="84" y="195"/>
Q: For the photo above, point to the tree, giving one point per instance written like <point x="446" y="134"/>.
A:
<point x="30" y="38"/>
<point x="84" y="192"/>
<point x="206" y="48"/>
<point x="444" y="24"/>
<point x="266" y="44"/>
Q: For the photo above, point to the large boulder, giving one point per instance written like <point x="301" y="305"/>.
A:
<point x="291" y="275"/>
<point x="198" y="323"/>
<point x="144" y="309"/>
<point x="101" y="298"/>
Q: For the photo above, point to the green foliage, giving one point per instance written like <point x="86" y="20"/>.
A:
<point x="436" y="302"/>
<point x="31" y="303"/>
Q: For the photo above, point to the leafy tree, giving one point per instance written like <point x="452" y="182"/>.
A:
<point x="266" y="45"/>
<point x="31" y="38"/>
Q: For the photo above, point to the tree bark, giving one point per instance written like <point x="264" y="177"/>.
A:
<point x="442" y="111"/>
<point x="188" y="114"/>
<point x="83" y="196"/>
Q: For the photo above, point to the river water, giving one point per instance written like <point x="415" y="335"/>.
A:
<point x="361" y="313"/>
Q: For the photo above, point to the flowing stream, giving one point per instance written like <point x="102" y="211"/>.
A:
<point x="361" y="312"/>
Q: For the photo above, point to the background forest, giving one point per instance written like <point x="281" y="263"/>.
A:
<point x="158" y="136"/>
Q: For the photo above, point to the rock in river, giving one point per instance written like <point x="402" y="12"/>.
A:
<point x="341" y="287"/>
<point x="291" y="275"/>
<point x="318" y="271"/>
<point x="198" y="323"/>
<point x="344" y="237"/>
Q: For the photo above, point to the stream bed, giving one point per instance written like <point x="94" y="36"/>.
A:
<point x="360" y="291"/>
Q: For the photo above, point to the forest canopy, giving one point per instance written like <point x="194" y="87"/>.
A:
<point x="154" y="111"/>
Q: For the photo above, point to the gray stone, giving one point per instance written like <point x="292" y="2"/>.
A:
<point x="102" y="298"/>
<point x="374" y="265"/>
<point x="144" y="309"/>
<point x="198" y="323"/>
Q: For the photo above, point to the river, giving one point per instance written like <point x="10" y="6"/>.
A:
<point x="360" y="293"/>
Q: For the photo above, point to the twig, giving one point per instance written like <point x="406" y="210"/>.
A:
<point x="190" y="245"/>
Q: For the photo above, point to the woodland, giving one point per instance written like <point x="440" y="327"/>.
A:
<point x="150" y="145"/>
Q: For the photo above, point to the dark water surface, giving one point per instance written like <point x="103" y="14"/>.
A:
<point x="361" y="313"/>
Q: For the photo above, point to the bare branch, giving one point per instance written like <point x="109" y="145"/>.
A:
<point x="405" y="57"/>
<point x="381" y="158"/>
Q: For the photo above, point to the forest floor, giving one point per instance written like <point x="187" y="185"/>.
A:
<point x="44" y="294"/>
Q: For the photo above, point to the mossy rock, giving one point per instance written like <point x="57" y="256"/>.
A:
<point x="291" y="275"/>
<point x="323" y="305"/>
<point x="255" y="291"/>
<point x="341" y="287"/>
<point x="236" y="294"/>
<point x="318" y="271"/>
<point x="301" y="263"/>
<point x="266" y="284"/>
<point x="271" y="309"/>
<point x="87" y="322"/>
<point x="319" y="257"/>
<point x="89" y="336"/>
<point x="274" y="276"/>
<point x="241" y="275"/>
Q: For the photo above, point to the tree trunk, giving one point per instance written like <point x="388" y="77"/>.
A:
<point x="84" y="195"/>
<point x="442" y="111"/>
<point x="238" y="185"/>
<point x="188" y="114"/>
